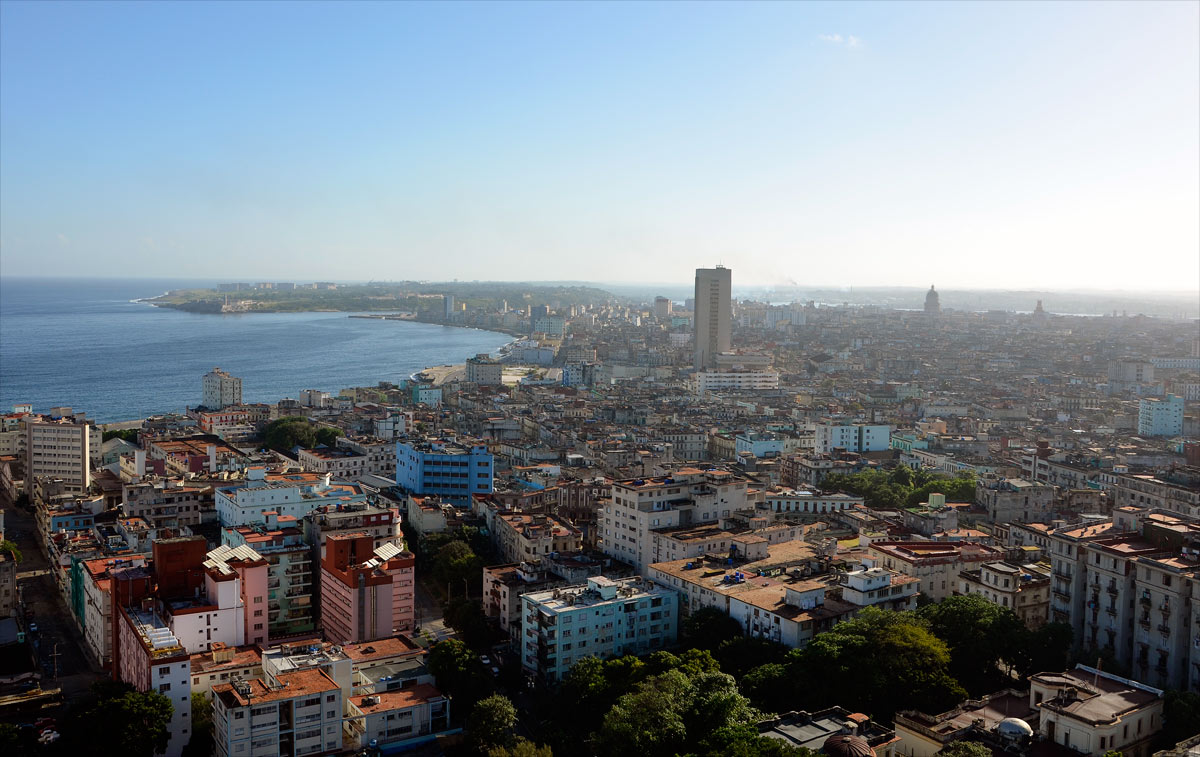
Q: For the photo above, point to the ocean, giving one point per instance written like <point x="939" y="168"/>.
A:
<point x="86" y="344"/>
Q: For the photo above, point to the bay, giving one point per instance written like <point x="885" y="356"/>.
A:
<point x="85" y="343"/>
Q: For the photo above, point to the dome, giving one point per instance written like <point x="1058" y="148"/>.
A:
<point x="1014" y="728"/>
<point x="845" y="745"/>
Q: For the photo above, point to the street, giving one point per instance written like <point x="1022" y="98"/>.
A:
<point x="63" y="663"/>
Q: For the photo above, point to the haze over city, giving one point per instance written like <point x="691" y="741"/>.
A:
<point x="977" y="145"/>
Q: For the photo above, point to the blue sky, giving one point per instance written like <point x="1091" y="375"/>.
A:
<point x="970" y="144"/>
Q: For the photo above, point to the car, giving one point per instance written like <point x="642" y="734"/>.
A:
<point x="43" y="723"/>
<point x="495" y="670"/>
<point x="485" y="659"/>
<point x="33" y="628"/>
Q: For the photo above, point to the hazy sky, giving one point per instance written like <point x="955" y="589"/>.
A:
<point x="967" y="144"/>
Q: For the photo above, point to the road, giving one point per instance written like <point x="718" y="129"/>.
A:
<point x="57" y="641"/>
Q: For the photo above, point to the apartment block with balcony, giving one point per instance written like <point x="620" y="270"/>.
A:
<point x="290" y="607"/>
<point x="602" y="618"/>
<point x="294" y="713"/>
<point x="1024" y="589"/>
<point x="286" y="494"/>
<point x="367" y="592"/>
<point x="453" y="470"/>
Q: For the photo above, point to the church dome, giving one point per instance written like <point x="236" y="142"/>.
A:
<point x="845" y="745"/>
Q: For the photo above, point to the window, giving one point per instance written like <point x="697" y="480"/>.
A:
<point x="164" y="687"/>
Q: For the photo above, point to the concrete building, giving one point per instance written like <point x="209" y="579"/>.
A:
<point x="367" y="592"/>
<point x="291" y="495"/>
<point x="714" y="315"/>
<point x="220" y="390"/>
<point x="1092" y="712"/>
<point x="1160" y="417"/>
<point x="147" y="656"/>
<point x="454" y="471"/>
<point x="854" y="437"/>
<point x="602" y="618"/>
<point x="290" y="713"/>
<point x="339" y="461"/>
<point x="935" y="564"/>
<point x="712" y="381"/>
<point x="1024" y="589"/>
<point x="689" y="496"/>
<point x="241" y="575"/>
<point x="482" y="369"/>
<point x="662" y="308"/>
<point x="1014" y="500"/>
<point x="8" y="584"/>
<point x="62" y="448"/>
<point x="933" y="304"/>
<point x="289" y="571"/>
<point x="529" y="536"/>
<point x="876" y="587"/>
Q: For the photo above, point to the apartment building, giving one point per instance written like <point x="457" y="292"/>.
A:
<point x="935" y="564"/>
<point x="689" y="496"/>
<point x="168" y="503"/>
<point x="1024" y="589"/>
<point x="854" y="437"/>
<point x="339" y="461"/>
<point x="62" y="448"/>
<point x="1160" y="417"/>
<point x="219" y="389"/>
<point x="877" y="587"/>
<point x="291" y="495"/>
<point x="1092" y="712"/>
<point x="289" y="571"/>
<point x="529" y="536"/>
<point x="452" y="470"/>
<point x="380" y="454"/>
<point x="713" y="315"/>
<point x="367" y="592"/>
<point x="714" y="381"/>
<point x="809" y="502"/>
<point x="1015" y="500"/>
<point x="381" y="523"/>
<point x="482" y="369"/>
<point x="294" y="713"/>
<point x="149" y="657"/>
<point x="602" y="618"/>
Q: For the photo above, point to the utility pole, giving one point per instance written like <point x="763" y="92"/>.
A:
<point x="55" y="656"/>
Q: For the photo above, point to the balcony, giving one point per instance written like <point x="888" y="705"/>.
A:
<point x="1111" y="610"/>
<point x="1164" y="629"/>
<point x="1144" y="623"/>
<point x="1112" y="590"/>
<point x="1145" y="600"/>
<point x="1065" y="596"/>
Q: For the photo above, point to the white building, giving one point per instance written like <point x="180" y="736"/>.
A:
<point x="792" y="501"/>
<point x="220" y="390"/>
<point x="288" y="494"/>
<point x="604" y="618"/>
<point x="61" y="447"/>
<point x="708" y="381"/>
<point x="885" y="588"/>
<point x="482" y="369"/>
<point x="1093" y="712"/>
<point x="1160" y="417"/>
<point x="855" y="437"/>
<point x="689" y="496"/>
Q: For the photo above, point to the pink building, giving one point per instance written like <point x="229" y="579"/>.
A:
<point x="246" y="570"/>
<point x="366" y="592"/>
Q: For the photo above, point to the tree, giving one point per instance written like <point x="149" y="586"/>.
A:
<point x="1181" y="717"/>
<point x="201" y="742"/>
<point x="134" y="723"/>
<point x="709" y="627"/>
<point x="128" y="434"/>
<point x="328" y="435"/>
<point x="650" y="720"/>
<point x="965" y="749"/>
<point x="1046" y="649"/>
<point x="875" y="663"/>
<point x="745" y="741"/>
<point x="459" y="673"/>
<point x="11" y="548"/>
<point x="286" y="434"/>
<point x="466" y="617"/>
<point x="981" y="635"/>
<point x="455" y="562"/>
<point x="491" y="723"/>
<point x="769" y="687"/>
<point x="739" y="656"/>
<point x="521" y="748"/>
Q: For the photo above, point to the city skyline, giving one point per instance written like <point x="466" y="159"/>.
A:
<point x="1046" y="146"/>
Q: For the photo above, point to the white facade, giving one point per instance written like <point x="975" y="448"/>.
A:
<point x="707" y="381"/>
<point x="291" y="494"/>
<point x="1161" y="417"/>
<point x="808" y="502"/>
<point x="61" y="448"/>
<point x="639" y="506"/>
<point x="220" y="390"/>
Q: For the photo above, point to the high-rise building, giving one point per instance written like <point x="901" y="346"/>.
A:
<point x="220" y="389"/>
<point x="1160" y="417"/>
<point x="60" y="447"/>
<point x="662" y="308"/>
<point x="714" y="314"/>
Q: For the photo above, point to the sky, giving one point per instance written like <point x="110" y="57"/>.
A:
<point x="971" y="144"/>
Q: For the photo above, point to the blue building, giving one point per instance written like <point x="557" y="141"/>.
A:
<point x="444" y="467"/>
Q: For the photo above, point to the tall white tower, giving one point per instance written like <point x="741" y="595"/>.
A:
<point x="220" y="389"/>
<point x="714" y="314"/>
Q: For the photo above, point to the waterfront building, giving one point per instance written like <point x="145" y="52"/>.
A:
<point x="220" y="390"/>
<point x="482" y="369"/>
<point x="713" y="315"/>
